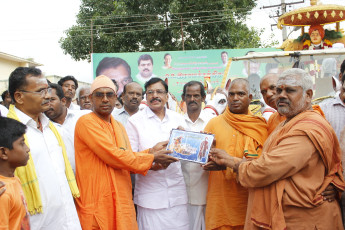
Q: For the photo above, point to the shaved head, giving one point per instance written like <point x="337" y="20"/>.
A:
<point x="240" y="81"/>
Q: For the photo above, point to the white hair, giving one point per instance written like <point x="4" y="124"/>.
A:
<point x="80" y="89"/>
<point x="289" y="77"/>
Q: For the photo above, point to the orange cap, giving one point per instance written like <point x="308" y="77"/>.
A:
<point x="101" y="82"/>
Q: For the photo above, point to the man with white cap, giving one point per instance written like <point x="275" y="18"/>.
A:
<point x="104" y="160"/>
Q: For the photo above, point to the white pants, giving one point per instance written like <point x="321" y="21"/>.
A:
<point x="196" y="215"/>
<point x="174" y="218"/>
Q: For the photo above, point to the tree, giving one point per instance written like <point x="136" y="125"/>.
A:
<point x="105" y="26"/>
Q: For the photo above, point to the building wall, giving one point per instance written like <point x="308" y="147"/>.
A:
<point x="7" y="66"/>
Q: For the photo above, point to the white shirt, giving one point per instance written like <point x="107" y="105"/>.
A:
<point x="121" y="115"/>
<point x="3" y="111"/>
<point x="334" y="110"/>
<point x="163" y="188"/>
<point x="195" y="177"/>
<point x="267" y="112"/>
<point x="67" y="132"/>
<point x="73" y="106"/>
<point x="59" y="211"/>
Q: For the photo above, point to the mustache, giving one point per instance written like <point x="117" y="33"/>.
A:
<point x="155" y="99"/>
<point x="192" y="102"/>
<point x="283" y="100"/>
<point x="134" y="100"/>
<point x="146" y="70"/>
<point x="45" y="102"/>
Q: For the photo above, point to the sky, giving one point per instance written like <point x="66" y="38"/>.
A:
<point x="32" y="29"/>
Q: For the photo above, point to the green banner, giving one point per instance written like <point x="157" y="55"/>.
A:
<point x="179" y="67"/>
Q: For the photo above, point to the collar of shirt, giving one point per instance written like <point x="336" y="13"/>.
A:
<point x="73" y="106"/>
<point x="117" y="112"/>
<point x="202" y="117"/>
<point x="69" y="114"/>
<point x="151" y="114"/>
<point x="123" y="111"/>
<point x="338" y="100"/>
<point x="25" y="119"/>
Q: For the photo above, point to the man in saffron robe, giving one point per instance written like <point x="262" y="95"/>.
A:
<point x="104" y="160"/>
<point x="299" y="160"/>
<point x="241" y="134"/>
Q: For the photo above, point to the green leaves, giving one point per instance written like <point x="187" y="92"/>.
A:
<point x="105" y="26"/>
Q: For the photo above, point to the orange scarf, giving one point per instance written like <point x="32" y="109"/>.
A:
<point x="267" y="209"/>
<point x="275" y="119"/>
<point x="252" y="126"/>
<point x="254" y="131"/>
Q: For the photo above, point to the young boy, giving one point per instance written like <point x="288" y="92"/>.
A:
<point x="13" y="153"/>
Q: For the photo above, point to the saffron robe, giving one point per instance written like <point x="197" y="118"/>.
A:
<point x="104" y="160"/>
<point x="275" y="119"/>
<point x="240" y="135"/>
<point x="299" y="160"/>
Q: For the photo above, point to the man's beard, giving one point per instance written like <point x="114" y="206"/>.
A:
<point x="290" y="112"/>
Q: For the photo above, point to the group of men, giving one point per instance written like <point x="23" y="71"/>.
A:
<point x="282" y="174"/>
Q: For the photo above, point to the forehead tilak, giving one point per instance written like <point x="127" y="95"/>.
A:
<point x="286" y="82"/>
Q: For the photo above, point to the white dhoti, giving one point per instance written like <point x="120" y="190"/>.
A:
<point x="196" y="215"/>
<point x="174" y="218"/>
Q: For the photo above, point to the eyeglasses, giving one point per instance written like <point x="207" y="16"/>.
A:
<point x="109" y="95"/>
<point x="159" y="92"/>
<point x="41" y="92"/>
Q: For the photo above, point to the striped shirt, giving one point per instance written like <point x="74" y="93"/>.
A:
<point x="334" y="110"/>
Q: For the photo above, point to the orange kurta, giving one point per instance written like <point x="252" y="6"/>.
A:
<point x="240" y="135"/>
<point x="104" y="160"/>
<point x="275" y="119"/>
<point x="299" y="160"/>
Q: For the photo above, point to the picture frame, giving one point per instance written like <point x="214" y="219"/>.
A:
<point x="190" y="146"/>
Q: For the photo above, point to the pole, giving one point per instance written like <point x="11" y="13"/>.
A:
<point x="182" y="35"/>
<point x="284" y="33"/>
<point x="91" y="37"/>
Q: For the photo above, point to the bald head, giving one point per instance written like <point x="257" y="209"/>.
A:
<point x="268" y="86"/>
<point x="243" y="81"/>
<point x="239" y="96"/>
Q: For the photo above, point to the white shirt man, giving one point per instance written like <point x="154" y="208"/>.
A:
<point x="195" y="177"/>
<point x="67" y="132"/>
<point x="161" y="195"/>
<point x="59" y="211"/>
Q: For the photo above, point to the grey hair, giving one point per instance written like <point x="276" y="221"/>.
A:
<point x="304" y="79"/>
<point x="80" y="89"/>
<point x="243" y="81"/>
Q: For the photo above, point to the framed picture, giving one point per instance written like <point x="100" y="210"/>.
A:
<point x="190" y="146"/>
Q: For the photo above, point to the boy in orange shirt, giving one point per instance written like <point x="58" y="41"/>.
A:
<point x="13" y="153"/>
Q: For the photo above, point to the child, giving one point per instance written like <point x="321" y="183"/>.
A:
<point x="13" y="153"/>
